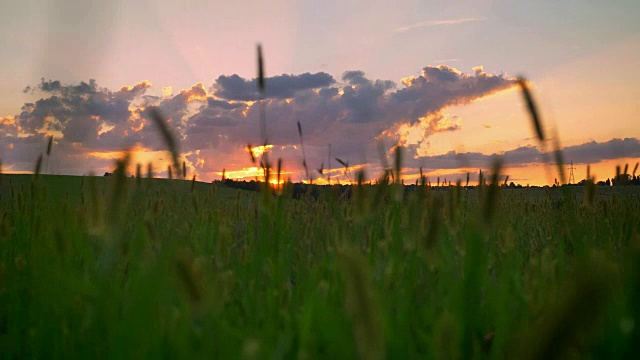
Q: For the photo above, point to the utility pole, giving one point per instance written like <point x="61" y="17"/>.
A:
<point x="572" y="179"/>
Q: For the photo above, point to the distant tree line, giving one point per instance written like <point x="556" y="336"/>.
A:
<point x="618" y="180"/>
<point x="299" y="189"/>
<point x="296" y="190"/>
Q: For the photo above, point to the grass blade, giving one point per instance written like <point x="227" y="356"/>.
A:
<point x="531" y="107"/>
<point x="167" y="136"/>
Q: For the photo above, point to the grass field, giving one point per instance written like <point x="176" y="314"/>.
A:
<point x="95" y="267"/>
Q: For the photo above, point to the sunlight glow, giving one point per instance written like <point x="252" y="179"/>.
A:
<point x="248" y="172"/>
<point x="407" y="80"/>
<point x="258" y="151"/>
<point x="167" y="91"/>
<point x="9" y="120"/>
<point x="104" y="127"/>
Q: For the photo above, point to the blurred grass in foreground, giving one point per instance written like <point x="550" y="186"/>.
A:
<point x="117" y="267"/>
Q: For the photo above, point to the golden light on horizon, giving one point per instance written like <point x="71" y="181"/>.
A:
<point x="248" y="172"/>
<point x="108" y="155"/>
<point x="138" y="155"/>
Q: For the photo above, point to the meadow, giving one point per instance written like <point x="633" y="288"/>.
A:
<point x="119" y="267"/>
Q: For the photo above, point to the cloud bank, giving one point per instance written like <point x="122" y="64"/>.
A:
<point x="587" y="153"/>
<point x="92" y="125"/>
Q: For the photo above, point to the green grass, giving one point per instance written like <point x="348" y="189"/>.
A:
<point x="114" y="267"/>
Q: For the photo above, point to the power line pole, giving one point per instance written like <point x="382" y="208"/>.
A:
<point x="572" y="179"/>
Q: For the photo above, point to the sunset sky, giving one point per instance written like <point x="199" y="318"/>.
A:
<point x="436" y="77"/>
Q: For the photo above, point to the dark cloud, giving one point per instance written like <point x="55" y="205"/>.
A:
<point x="441" y="86"/>
<point x="587" y="153"/>
<point x="175" y="111"/>
<point x="329" y="92"/>
<point x="355" y="77"/>
<point x="593" y="152"/>
<point x="213" y="103"/>
<point x="364" y="98"/>
<point x="441" y="74"/>
<point x="76" y="105"/>
<point x="278" y="87"/>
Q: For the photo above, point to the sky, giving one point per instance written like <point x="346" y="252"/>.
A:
<point x="437" y="78"/>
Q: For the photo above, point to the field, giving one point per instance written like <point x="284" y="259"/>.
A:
<point x="115" y="267"/>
